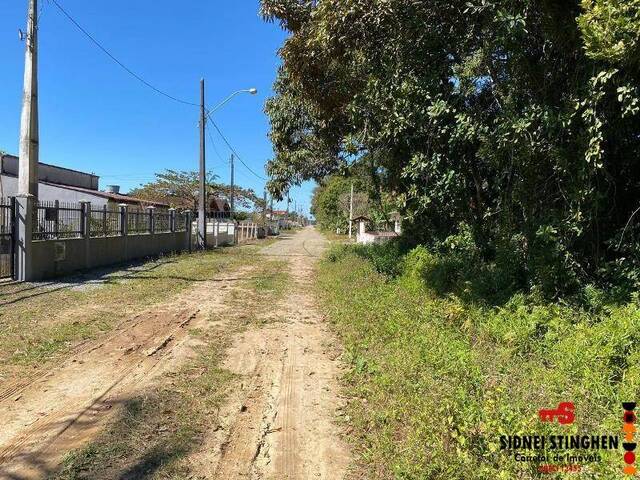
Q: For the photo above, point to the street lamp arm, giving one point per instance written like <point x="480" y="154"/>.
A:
<point x="252" y="91"/>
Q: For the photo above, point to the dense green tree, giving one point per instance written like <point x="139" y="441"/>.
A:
<point x="330" y="203"/>
<point x="517" y="119"/>
<point x="180" y="190"/>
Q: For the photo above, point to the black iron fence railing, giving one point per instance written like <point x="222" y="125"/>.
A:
<point x="6" y="237"/>
<point x="105" y="222"/>
<point x="181" y="222"/>
<point x="53" y="220"/>
<point x="162" y="221"/>
<point x="139" y="221"/>
<point x="60" y="220"/>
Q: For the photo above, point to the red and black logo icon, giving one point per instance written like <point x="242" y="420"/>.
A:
<point x="629" y="445"/>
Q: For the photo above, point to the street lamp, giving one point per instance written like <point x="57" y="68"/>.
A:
<point x="252" y="91"/>
<point x="202" y="197"/>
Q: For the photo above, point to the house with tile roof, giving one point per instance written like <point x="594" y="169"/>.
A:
<point x="66" y="185"/>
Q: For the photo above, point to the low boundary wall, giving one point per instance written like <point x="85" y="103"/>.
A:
<point x="53" y="258"/>
<point x="52" y="239"/>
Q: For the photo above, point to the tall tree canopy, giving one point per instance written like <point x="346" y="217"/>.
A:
<point x="180" y="190"/>
<point x="518" y="119"/>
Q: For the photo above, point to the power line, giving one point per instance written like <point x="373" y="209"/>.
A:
<point x="122" y="65"/>
<point x="155" y="89"/>
<point x="233" y="149"/>
<point x="215" y="149"/>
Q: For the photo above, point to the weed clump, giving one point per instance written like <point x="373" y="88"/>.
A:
<point x="447" y="355"/>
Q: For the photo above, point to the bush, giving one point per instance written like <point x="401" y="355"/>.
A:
<point x="436" y="380"/>
<point x="387" y="258"/>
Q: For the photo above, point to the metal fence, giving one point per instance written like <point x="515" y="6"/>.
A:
<point x="59" y="220"/>
<point x="105" y="222"/>
<point x="162" y="221"/>
<point x="6" y="237"/>
<point x="181" y="222"/>
<point x="53" y="220"/>
<point x="138" y="221"/>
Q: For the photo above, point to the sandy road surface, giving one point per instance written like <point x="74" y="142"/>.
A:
<point x="278" y="424"/>
<point x="281" y="424"/>
<point x="52" y="411"/>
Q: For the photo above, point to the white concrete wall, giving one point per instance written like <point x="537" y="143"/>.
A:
<point x="219" y="233"/>
<point x="365" y="238"/>
<point x="370" y="239"/>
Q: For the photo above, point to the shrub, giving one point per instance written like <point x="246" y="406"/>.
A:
<point x="387" y="258"/>
<point x="435" y="380"/>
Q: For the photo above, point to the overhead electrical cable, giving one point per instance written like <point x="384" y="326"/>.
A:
<point x="113" y="57"/>
<point x="233" y="150"/>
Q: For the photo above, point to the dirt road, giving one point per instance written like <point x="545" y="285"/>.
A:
<point x="279" y="423"/>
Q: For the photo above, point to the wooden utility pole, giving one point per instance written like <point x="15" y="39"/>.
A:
<point x="351" y="212"/>
<point x="233" y="186"/>
<point x="29" y="130"/>
<point x="202" y="201"/>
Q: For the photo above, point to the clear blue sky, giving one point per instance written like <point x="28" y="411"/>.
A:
<point x="95" y="117"/>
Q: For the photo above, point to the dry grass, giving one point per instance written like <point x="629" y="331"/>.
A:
<point x="40" y="322"/>
<point x="154" y="432"/>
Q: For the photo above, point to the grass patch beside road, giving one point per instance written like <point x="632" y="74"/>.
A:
<point x="435" y="380"/>
<point x="41" y="321"/>
<point x="155" y="432"/>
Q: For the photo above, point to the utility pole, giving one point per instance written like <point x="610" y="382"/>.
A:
<point x="351" y="212"/>
<point x="272" y="226"/>
<point x="29" y="129"/>
<point x="233" y="186"/>
<point x="202" y="203"/>
<point x="287" y="215"/>
<point x="264" y="211"/>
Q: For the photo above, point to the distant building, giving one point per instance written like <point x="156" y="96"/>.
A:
<point x="219" y="208"/>
<point x="367" y="237"/>
<point x="279" y="217"/>
<point x="66" y="185"/>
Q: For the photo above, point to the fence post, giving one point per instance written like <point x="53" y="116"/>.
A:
<point x="216" y="231"/>
<point x="172" y="220"/>
<point x="104" y="219"/>
<point x="85" y="216"/>
<point x="152" y="220"/>
<point x="24" y="220"/>
<point x="85" y="228"/>
<point x="56" y="225"/>
<point x="189" y="229"/>
<point x="124" y="219"/>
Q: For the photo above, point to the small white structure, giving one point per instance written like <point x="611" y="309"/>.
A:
<point x="365" y="237"/>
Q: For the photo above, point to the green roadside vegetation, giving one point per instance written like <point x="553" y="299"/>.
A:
<point x="153" y="433"/>
<point x="445" y="358"/>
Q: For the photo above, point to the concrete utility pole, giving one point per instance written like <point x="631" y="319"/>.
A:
<point x="29" y="130"/>
<point x="287" y="215"/>
<point x="271" y="211"/>
<point x="202" y="200"/>
<point x="233" y="186"/>
<point x="264" y="211"/>
<point x="351" y="211"/>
